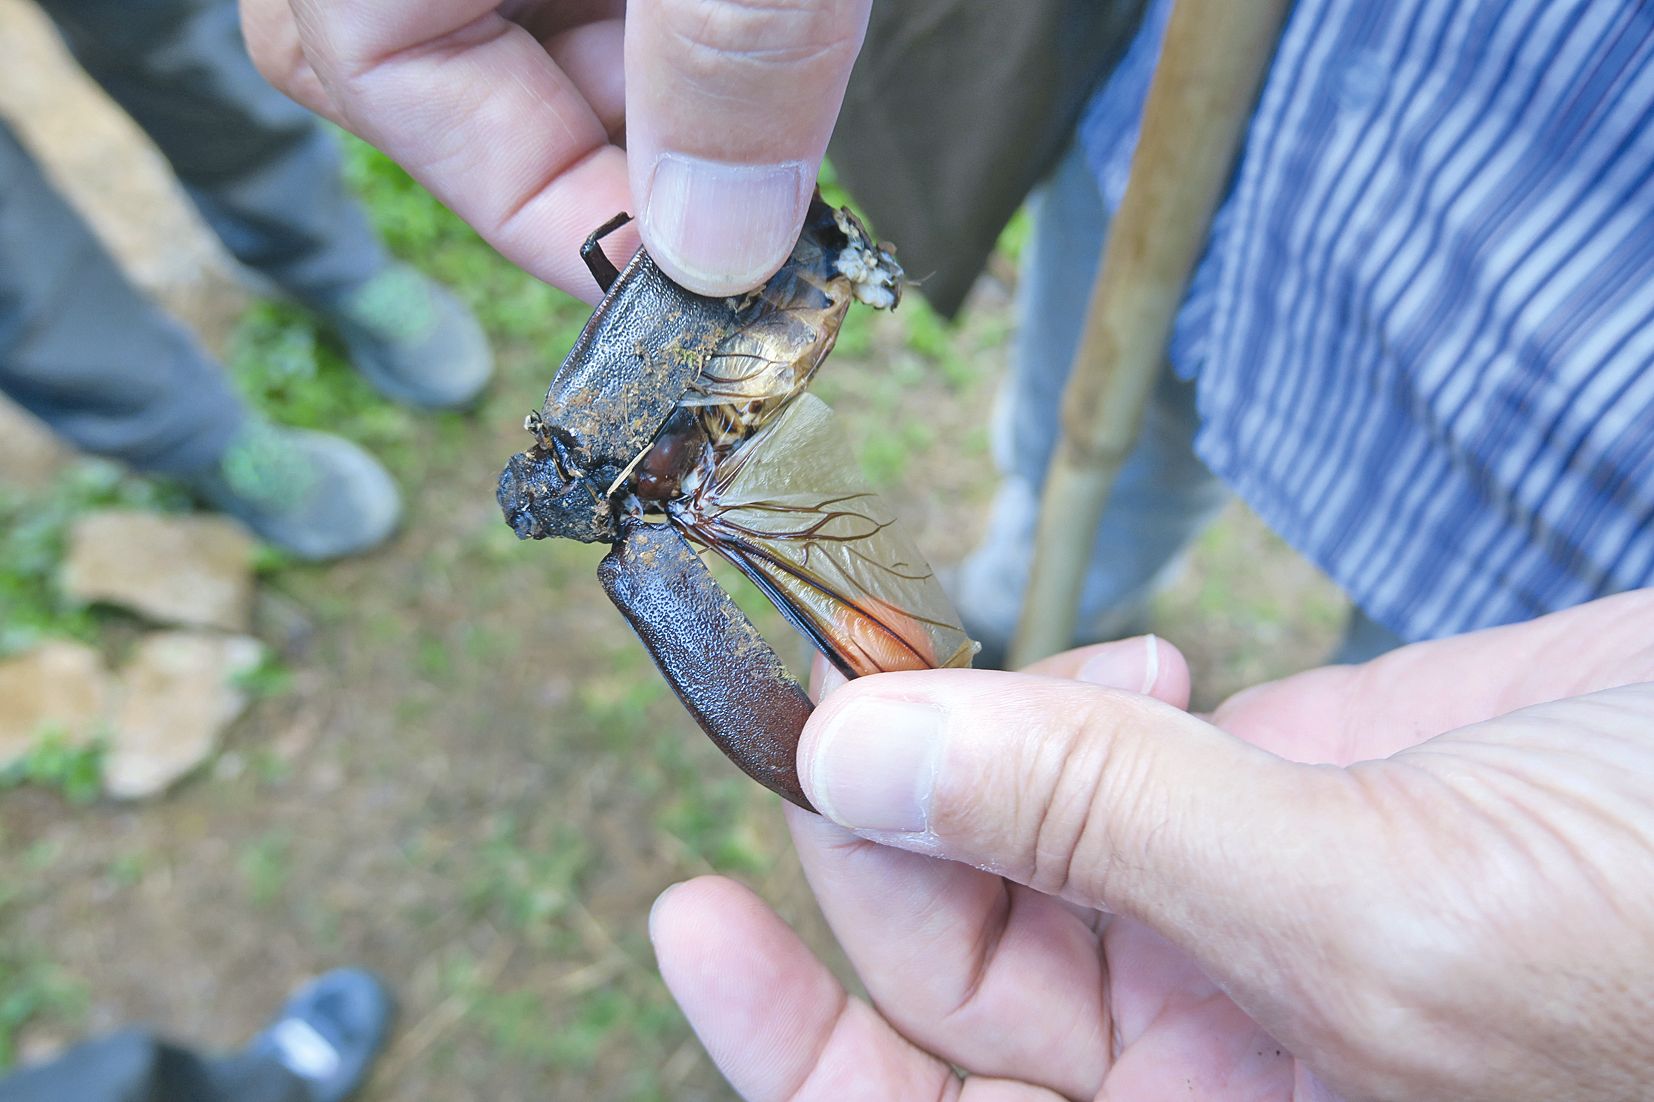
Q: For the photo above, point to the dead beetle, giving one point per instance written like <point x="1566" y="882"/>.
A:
<point x="679" y="421"/>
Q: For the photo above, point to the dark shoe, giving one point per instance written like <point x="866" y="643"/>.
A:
<point x="330" y="1032"/>
<point x="413" y="340"/>
<point x="312" y="495"/>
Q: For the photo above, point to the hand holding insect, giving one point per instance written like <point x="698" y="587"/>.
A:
<point x="535" y="120"/>
<point x="1454" y="920"/>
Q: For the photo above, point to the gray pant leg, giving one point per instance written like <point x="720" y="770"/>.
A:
<point x="262" y="170"/>
<point x="137" y="1067"/>
<point x="1164" y="495"/>
<point x="85" y="352"/>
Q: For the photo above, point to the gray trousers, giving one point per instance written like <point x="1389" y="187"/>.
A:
<point x="137" y="1067"/>
<point x="79" y="346"/>
<point x="1164" y="495"/>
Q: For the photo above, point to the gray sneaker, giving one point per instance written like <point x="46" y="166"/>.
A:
<point x="312" y="495"/>
<point x="413" y="340"/>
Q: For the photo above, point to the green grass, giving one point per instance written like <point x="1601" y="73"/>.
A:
<point x="271" y="677"/>
<point x="617" y="707"/>
<point x="1013" y="240"/>
<point x="510" y="303"/>
<point x="56" y="762"/>
<point x="265" y="865"/>
<point x="289" y="370"/>
<point x="127" y="870"/>
<point x="715" y="820"/>
<point x="529" y="879"/>
<point x="548" y="1029"/>
<point x="35" y="991"/>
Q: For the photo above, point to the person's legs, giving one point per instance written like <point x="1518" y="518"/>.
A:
<point x="267" y="177"/>
<point x="1164" y="495"/>
<point x="136" y="1066"/>
<point x="85" y="352"/>
<point x="103" y="367"/>
<point x="262" y="170"/>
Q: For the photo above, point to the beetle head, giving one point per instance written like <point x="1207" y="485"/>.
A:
<point x="543" y="495"/>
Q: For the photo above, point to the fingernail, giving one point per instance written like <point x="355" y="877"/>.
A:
<point x="875" y="765"/>
<point x="1131" y="664"/>
<point x="724" y="226"/>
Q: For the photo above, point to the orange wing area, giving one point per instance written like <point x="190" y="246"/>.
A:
<point x="883" y="639"/>
<point x="789" y="509"/>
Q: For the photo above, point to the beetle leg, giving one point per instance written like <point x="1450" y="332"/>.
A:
<point x="602" y="268"/>
<point x="723" y="671"/>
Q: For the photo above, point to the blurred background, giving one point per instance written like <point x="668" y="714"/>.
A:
<point x="450" y="761"/>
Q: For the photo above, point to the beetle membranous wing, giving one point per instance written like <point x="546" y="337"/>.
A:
<point x="781" y="334"/>
<point x="790" y="509"/>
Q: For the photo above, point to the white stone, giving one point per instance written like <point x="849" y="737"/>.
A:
<point x="191" y="570"/>
<point x="57" y="686"/>
<point x="178" y="695"/>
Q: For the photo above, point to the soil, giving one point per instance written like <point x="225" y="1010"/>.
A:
<point x="472" y="781"/>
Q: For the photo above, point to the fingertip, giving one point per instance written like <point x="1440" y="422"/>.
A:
<point x="756" y="996"/>
<point x="722" y="228"/>
<point x="1145" y="664"/>
<point x="685" y="903"/>
<point x="656" y="909"/>
<point x="690" y="926"/>
<point x="729" y="109"/>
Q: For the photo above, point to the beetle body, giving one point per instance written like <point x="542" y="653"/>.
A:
<point x="674" y="421"/>
<point x="628" y="371"/>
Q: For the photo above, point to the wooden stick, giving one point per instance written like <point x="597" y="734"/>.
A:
<point x="1201" y="99"/>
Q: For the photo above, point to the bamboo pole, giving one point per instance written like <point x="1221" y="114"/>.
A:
<point x="1200" y="100"/>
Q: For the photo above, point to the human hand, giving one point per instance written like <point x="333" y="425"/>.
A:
<point x="537" y="120"/>
<point x="1182" y="909"/>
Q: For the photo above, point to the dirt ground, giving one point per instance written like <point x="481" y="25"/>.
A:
<point x="468" y="777"/>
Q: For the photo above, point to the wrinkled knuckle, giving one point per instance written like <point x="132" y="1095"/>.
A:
<point x="1071" y="782"/>
<point x="718" y="35"/>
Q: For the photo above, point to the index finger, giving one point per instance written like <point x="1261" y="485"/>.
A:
<point x="475" y="109"/>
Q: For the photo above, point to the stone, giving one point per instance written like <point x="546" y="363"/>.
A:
<point x="178" y="694"/>
<point x="56" y="686"/>
<point x="30" y="456"/>
<point x="190" y="570"/>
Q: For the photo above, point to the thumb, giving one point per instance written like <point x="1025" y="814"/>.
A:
<point x="729" y="104"/>
<point x="1106" y="798"/>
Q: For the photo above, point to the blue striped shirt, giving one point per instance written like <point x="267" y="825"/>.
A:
<point x="1424" y="326"/>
